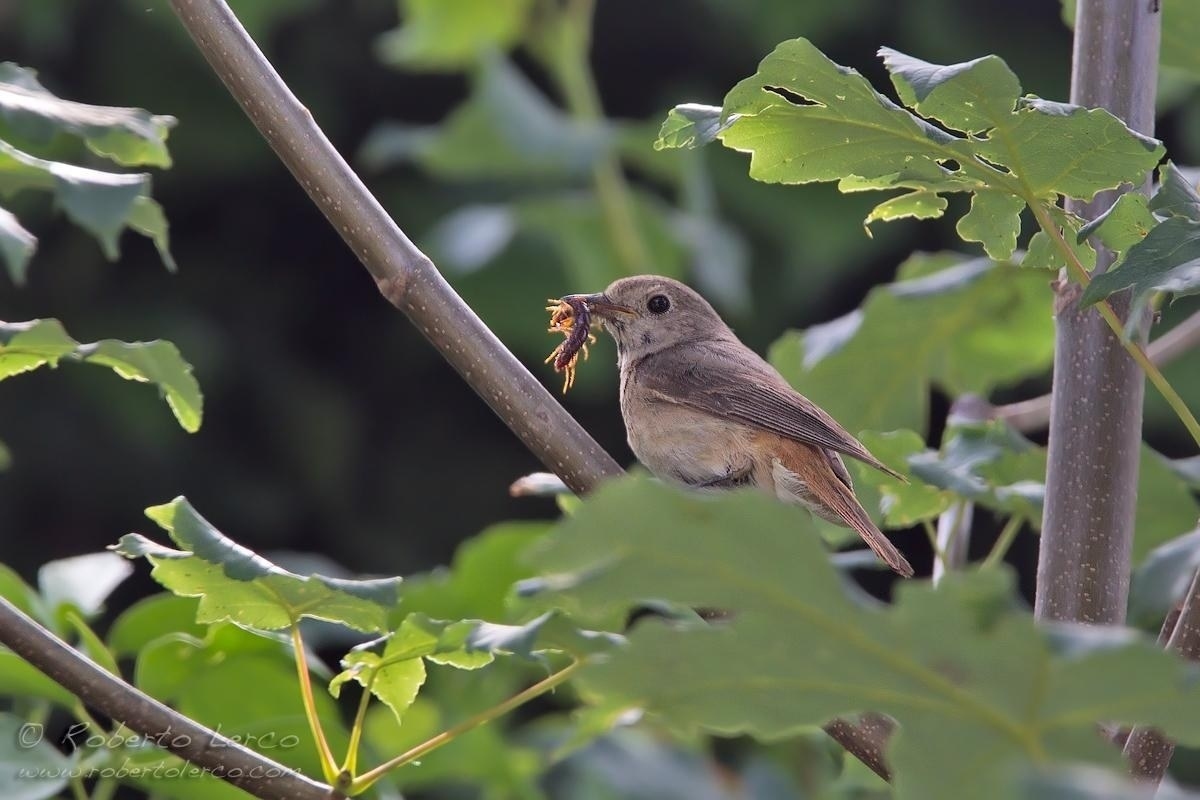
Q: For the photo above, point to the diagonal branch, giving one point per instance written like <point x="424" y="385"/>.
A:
<point x="192" y="742"/>
<point x="405" y="275"/>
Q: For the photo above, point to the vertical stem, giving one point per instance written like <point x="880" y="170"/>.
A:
<point x="574" y="76"/>
<point x="1096" y="410"/>
<point x="953" y="538"/>
<point x="328" y="765"/>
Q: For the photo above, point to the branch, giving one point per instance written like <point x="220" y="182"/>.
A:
<point x="405" y="275"/>
<point x="1034" y="414"/>
<point x="199" y="746"/>
<point x="1148" y="751"/>
<point x="866" y="739"/>
<point x="1096" y="406"/>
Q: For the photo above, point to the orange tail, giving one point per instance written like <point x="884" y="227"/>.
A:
<point x="809" y="476"/>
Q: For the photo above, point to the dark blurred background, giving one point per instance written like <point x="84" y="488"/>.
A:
<point x="330" y="425"/>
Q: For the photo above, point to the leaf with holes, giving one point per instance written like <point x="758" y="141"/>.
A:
<point x="803" y="118"/>
<point x="236" y="584"/>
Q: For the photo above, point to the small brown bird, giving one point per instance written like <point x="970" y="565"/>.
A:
<point x="704" y="410"/>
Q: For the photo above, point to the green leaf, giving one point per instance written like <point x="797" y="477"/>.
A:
<point x="81" y="582"/>
<point x="1176" y="195"/>
<point x="1166" y="260"/>
<point x="24" y="750"/>
<point x="28" y="345"/>
<point x="971" y="327"/>
<point x="91" y="644"/>
<point x="994" y="221"/>
<point x="1180" y="32"/>
<point x="901" y="505"/>
<point x="917" y="204"/>
<point x="450" y="34"/>
<point x="236" y="584"/>
<point x="689" y="126"/>
<point x="990" y="464"/>
<point x="129" y="136"/>
<point x="16" y="246"/>
<point x="151" y="618"/>
<point x="1162" y="579"/>
<point x="1124" y="224"/>
<point x="575" y="225"/>
<point x="396" y="675"/>
<point x="480" y="578"/>
<point x="19" y="678"/>
<point x="804" y="118"/>
<point x="971" y="97"/>
<point x="1166" y="505"/>
<point x="506" y="130"/>
<point x="963" y="668"/>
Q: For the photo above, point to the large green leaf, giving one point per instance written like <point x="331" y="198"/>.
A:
<point x="129" y="136"/>
<point x="804" y="118"/>
<point x="449" y="34"/>
<point x="1160" y="581"/>
<point x="28" y="345"/>
<point x="963" y="326"/>
<point x="236" y="584"/>
<point x="962" y="668"/>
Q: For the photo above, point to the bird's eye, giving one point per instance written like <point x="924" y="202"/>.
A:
<point x="658" y="304"/>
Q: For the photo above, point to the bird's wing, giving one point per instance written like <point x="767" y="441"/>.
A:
<point x="727" y="379"/>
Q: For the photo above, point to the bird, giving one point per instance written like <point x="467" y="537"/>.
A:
<point x="703" y="410"/>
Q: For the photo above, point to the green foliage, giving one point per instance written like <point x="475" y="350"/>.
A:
<point x="962" y="668"/>
<point x="1166" y="258"/>
<point x="103" y="203"/>
<point x="958" y="325"/>
<point x="804" y="118"/>
<point x="448" y="35"/>
<point x="238" y="585"/>
<point x="25" y="346"/>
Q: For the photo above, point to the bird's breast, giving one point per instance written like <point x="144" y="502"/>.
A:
<point x="680" y="444"/>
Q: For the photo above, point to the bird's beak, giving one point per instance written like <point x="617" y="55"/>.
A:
<point x="600" y="305"/>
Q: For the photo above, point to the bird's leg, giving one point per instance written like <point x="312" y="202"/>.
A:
<point x="734" y="478"/>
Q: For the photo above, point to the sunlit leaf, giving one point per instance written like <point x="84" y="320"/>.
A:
<point x="236" y="584"/>
<point x="43" y="342"/>
<point x="129" y="136"/>
<point x="449" y="34"/>
<point x="16" y="246"/>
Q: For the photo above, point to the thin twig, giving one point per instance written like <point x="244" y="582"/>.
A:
<point x="1034" y="414"/>
<point x="1148" y="751"/>
<point x="405" y="275"/>
<point x="107" y="693"/>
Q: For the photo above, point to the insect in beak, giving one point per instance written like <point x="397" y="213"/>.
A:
<point x="598" y="304"/>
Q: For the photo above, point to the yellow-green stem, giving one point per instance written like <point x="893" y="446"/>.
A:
<point x="1080" y="273"/>
<point x="583" y="101"/>
<point x="931" y="534"/>
<point x="350" y="765"/>
<point x="367" y="779"/>
<point x="328" y="765"/>
<point x="1003" y="542"/>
